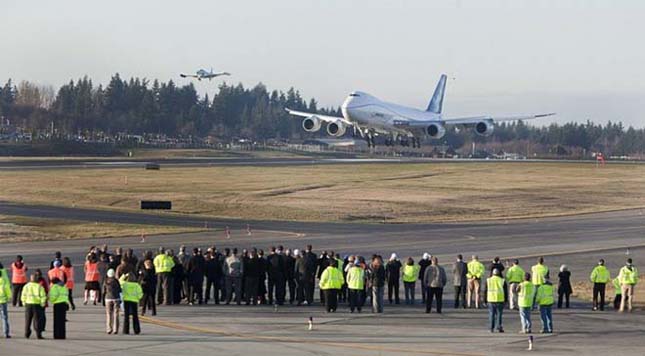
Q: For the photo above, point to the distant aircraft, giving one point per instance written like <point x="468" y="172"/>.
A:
<point x="203" y="74"/>
<point x="369" y="116"/>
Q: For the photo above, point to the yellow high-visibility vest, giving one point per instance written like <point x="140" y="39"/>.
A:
<point x="356" y="278"/>
<point x="33" y="293"/>
<point x="495" y="289"/>
<point x="525" y="296"/>
<point x="331" y="278"/>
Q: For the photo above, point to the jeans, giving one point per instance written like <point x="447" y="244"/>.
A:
<point x="547" y="319"/>
<point x="4" y="317"/>
<point x="377" y="299"/>
<point x="495" y="311"/>
<point x="525" y="319"/>
<point x="409" y="292"/>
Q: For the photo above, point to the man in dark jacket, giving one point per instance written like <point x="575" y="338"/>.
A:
<point x="323" y="263"/>
<point x="299" y="275"/>
<point x="213" y="272"/>
<point x="423" y="264"/>
<point x="252" y="277"/>
<point x="392" y="274"/>
<point x="277" y="276"/>
<point x="460" y="280"/>
<point x="196" y="267"/>
<point x="262" y="287"/>
<point x="309" y="272"/>
<point x="290" y="266"/>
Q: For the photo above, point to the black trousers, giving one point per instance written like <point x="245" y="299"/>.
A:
<point x="460" y="292"/>
<point x="17" y="292"/>
<point x="356" y="299"/>
<point x="60" y="316"/>
<point x="393" y="287"/>
<point x="291" y="283"/>
<point x="70" y="296"/>
<point x="598" y="296"/>
<point x="251" y="286"/>
<point x="309" y="286"/>
<point x="33" y="317"/>
<point x="331" y="299"/>
<point x="617" y="299"/>
<point x="280" y="284"/>
<point x="131" y="311"/>
<point x="434" y="293"/>
<point x="564" y="297"/>
<point x="165" y="288"/>
<point x="213" y="283"/>
<point x="195" y="289"/>
<point x="148" y="302"/>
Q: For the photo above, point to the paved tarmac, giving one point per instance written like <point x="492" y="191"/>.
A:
<point x="577" y="241"/>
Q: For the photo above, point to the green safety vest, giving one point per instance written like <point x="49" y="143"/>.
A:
<point x="495" y="289"/>
<point x="544" y="295"/>
<point x="33" y="293"/>
<point x="58" y="294"/>
<point x="163" y="263"/>
<point x="525" y="296"/>
<point x="5" y="290"/>
<point x="356" y="278"/>
<point x="538" y="274"/>
<point x="131" y="291"/>
<point x="331" y="278"/>
<point x="617" y="288"/>
<point x="515" y="274"/>
<point x="628" y="276"/>
<point x="475" y="269"/>
<point x="600" y="274"/>
<point x="411" y="273"/>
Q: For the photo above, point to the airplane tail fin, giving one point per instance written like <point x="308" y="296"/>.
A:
<point x="436" y="103"/>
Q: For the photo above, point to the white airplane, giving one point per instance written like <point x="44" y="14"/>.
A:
<point x="203" y="74"/>
<point x="369" y="116"/>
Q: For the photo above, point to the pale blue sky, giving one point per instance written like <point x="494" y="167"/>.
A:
<point x="583" y="59"/>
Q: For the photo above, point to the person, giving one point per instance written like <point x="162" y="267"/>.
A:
<point x="628" y="277"/>
<point x="18" y="279"/>
<point x="132" y="294"/>
<point x="322" y="263"/>
<point x="525" y="292"/>
<point x="43" y="283"/>
<point x="163" y="264"/>
<point x="618" y="293"/>
<point x="544" y="298"/>
<point x="111" y="301"/>
<point x="148" y="281"/>
<point x="539" y="272"/>
<point x="59" y="298"/>
<point x="33" y="298"/>
<point x="600" y="276"/>
<point x="196" y="266"/>
<point x="564" y="286"/>
<point x="423" y="264"/>
<point x="356" y="287"/>
<point x="68" y="270"/>
<point x="392" y="274"/>
<point x="177" y="277"/>
<point x="184" y="281"/>
<point x="252" y="278"/>
<point x="213" y="272"/>
<point x="290" y="267"/>
<point x="435" y="279"/>
<point x="57" y="257"/>
<point x="331" y="281"/>
<point x="299" y="276"/>
<point x="309" y="274"/>
<point x="496" y="264"/>
<point x="410" y="274"/>
<point x="377" y="283"/>
<point x="514" y="276"/>
<point x="5" y="297"/>
<point x="56" y="272"/>
<point x="233" y="270"/>
<point x="495" y="298"/>
<point x="264" y="268"/>
<point x="475" y="273"/>
<point x="460" y="281"/>
<point x="92" y="287"/>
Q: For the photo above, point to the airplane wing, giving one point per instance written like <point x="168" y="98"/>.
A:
<point x="324" y="118"/>
<point x="187" y="75"/>
<point x="466" y="120"/>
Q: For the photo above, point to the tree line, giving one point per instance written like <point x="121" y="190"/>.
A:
<point x="139" y="106"/>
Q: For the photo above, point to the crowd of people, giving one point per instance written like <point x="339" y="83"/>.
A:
<point x="126" y="284"/>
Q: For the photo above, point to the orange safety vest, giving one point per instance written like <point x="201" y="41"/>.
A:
<point x="91" y="272"/>
<point x="56" y="273"/>
<point x="18" y="275"/>
<point x="69" y="276"/>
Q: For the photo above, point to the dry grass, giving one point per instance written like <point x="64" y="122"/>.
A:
<point x="15" y="229"/>
<point x="392" y="192"/>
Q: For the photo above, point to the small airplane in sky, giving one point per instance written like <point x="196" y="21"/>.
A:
<point x="203" y="74"/>
<point x="370" y="116"/>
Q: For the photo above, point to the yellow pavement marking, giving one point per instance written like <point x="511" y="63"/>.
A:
<point x="348" y="345"/>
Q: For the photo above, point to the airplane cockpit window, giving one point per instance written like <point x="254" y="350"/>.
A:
<point x="354" y="94"/>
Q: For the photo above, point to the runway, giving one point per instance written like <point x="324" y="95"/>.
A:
<point x="577" y="241"/>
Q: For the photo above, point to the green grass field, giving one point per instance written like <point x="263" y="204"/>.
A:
<point x="430" y="192"/>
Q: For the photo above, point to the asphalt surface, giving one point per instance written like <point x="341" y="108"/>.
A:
<point x="577" y="241"/>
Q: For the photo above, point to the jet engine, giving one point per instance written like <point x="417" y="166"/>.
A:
<point x="336" y="128"/>
<point x="484" y="128"/>
<point x="435" y="131"/>
<point x="311" y="124"/>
